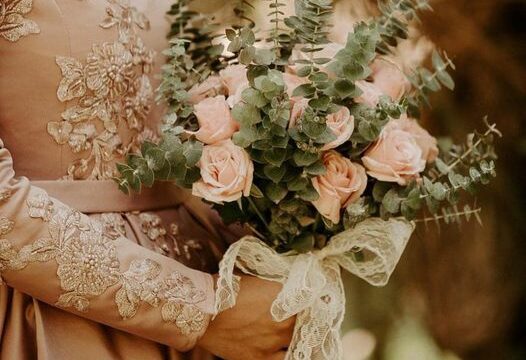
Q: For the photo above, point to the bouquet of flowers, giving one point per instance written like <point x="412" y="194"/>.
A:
<point x="314" y="146"/>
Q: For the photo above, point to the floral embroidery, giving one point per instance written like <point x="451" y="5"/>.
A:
<point x="114" y="225"/>
<point x="13" y="25"/>
<point x="6" y="225"/>
<point x="7" y="253"/>
<point x="181" y="288"/>
<point x="187" y="318"/>
<point x="179" y="293"/>
<point x="85" y="253"/>
<point x="87" y="262"/>
<point x="5" y="194"/>
<point x="40" y="206"/>
<point x="139" y="284"/>
<point x="153" y="228"/>
<point x="111" y="87"/>
<point x="151" y="225"/>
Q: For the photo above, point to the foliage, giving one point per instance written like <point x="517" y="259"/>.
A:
<point x="393" y="24"/>
<point x="425" y="81"/>
<point x="199" y="35"/>
<point x="286" y="158"/>
<point x="311" y="24"/>
<point x="459" y="169"/>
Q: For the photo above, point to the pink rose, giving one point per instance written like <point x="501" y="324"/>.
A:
<point x="226" y="173"/>
<point x="343" y="183"/>
<point x="370" y="95"/>
<point x="341" y="123"/>
<point x="395" y="156"/>
<point x="212" y="86"/>
<point x="215" y="121"/>
<point x="234" y="78"/>
<point x="387" y="79"/>
<point x="426" y="142"/>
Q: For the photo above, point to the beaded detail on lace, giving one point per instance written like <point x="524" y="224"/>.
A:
<point x="13" y="23"/>
<point x="107" y="92"/>
<point x="88" y="265"/>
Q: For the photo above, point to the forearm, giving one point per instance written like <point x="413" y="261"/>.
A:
<point x="63" y="257"/>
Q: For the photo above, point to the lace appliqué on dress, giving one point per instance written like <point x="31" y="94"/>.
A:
<point x="111" y="87"/>
<point x="163" y="239"/>
<point x="13" y="24"/>
<point x="88" y="265"/>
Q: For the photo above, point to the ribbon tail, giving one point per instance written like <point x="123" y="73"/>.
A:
<point x="227" y="282"/>
<point x="317" y="331"/>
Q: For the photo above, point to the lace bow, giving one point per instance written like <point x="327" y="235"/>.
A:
<point x="312" y="285"/>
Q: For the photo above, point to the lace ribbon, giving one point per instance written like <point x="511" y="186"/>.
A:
<point x="312" y="284"/>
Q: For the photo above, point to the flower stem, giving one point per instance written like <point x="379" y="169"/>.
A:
<point x="258" y="213"/>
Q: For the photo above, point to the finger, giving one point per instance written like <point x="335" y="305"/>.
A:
<point x="287" y="332"/>
<point x="288" y="324"/>
<point x="285" y="338"/>
<point x="280" y="355"/>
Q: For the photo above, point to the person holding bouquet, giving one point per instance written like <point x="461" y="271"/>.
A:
<point x="312" y="146"/>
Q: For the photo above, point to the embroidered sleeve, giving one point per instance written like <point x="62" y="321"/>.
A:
<point x="65" y="258"/>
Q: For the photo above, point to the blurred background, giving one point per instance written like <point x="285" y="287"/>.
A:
<point x="458" y="292"/>
<point x="461" y="293"/>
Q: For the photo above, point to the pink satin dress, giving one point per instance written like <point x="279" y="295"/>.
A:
<point x="88" y="272"/>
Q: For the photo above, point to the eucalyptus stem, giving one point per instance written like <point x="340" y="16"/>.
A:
<point x="258" y="213"/>
<point x="276" y="28"/>
<point x="442" y="217"/>
<point x="470" y="150"/>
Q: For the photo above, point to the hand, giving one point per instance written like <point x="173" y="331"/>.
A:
<point x="247" y="330"/>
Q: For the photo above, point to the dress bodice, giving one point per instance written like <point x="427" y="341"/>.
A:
<point x="77" y="84"/>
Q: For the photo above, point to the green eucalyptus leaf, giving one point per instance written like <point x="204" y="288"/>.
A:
<point x="275" y="192"/>
<point x="304" y="90"/>
<point x="275" y="156"/>
<point x="438" y="191"/>
<point x="380" y="189"/>
<point x="146" y="176"/>
<point x="254" y="97"/>
<point x="391" y="201"/>
<point x="298" y="184"/>
<point x="318" y="168"/>
<point x="264" y="56"/>
<point x="320" y="103"/>
<point x="309" y="193"/>
<point x="247" y="54"/>
<point x="303" y="243"/>
<point x="256" y="192"/>
<point x="274" y="173"/>
<point x="192" y="151"/>
<point x="345" y="88"/>
<point x="155" y="157"/>
<point x="230" y="34"/>
<point x="302" y="158"/>
<point x="246" y="114"/>
<point x="304" y="71"/>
